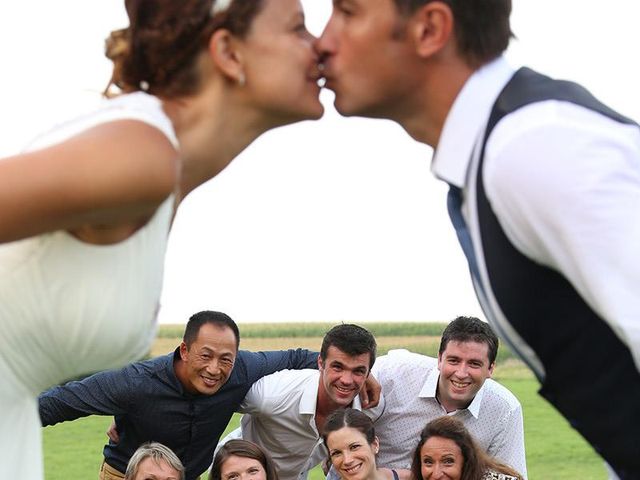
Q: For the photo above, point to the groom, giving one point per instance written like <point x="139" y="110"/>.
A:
<point x="544" y="193"/>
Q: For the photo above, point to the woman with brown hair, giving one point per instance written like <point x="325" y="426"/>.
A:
<point x="446" y="450"/>
<point x="242" y="460"/>
<point x="352" y="443"/>
<point x="85" y="211"/>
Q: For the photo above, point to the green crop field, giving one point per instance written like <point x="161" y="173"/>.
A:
<point x="73" y="450"/>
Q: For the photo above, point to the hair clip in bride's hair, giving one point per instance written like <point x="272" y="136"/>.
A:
<point x="220" y="6"/>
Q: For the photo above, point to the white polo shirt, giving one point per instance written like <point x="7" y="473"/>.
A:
<point x="280" y="416"/>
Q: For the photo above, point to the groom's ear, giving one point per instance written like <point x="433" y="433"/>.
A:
<point x="431" y="28"/>
<point x="226" y="55"/>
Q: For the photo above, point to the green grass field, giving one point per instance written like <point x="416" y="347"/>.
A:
<point x="73" y="450"/>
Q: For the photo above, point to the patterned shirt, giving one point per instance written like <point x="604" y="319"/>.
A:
<point x="492" y="475"/>
<point x="409" y="383"/>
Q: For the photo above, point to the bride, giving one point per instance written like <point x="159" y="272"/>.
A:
<point x="86" y="209"/>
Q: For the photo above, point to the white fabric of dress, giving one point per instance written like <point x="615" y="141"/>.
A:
<point x="68" y="308"/>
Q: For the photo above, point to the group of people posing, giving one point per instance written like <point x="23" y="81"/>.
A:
<point x="544" y="196"/>
<point x="367" y="415"/>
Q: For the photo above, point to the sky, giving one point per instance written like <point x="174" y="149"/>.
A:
<point x="335" y="220"/>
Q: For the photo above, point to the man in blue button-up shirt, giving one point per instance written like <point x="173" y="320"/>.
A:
<point x="183" y="400"/>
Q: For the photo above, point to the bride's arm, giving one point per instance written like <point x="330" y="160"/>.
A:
<point x="113" y="174"/>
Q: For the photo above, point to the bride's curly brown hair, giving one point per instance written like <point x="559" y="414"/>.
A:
<point x="158" y="51"/>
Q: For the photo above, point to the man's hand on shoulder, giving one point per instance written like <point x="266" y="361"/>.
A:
<point x="112" y="433"/>
<point x="370" y="394"/>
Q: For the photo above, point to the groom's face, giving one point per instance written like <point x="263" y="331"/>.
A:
<point x="368" y="58"/>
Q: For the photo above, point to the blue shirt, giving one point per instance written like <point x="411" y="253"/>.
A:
<point x="150" y="404"/>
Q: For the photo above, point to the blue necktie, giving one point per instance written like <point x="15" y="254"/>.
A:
<point x="454" y="206"/>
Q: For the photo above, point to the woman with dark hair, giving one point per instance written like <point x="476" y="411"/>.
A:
<point x="351" y="440"/>
<point x="242" y="460"/>
<point x="447" y="450"/>
<point x="86" y="210"/>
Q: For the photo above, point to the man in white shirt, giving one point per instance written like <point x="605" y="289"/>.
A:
<point x="545" y="193"/>
<point x="285" y="412"/>
<point x="417" y="389"/>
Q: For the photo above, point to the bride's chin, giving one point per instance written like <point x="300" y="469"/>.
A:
<point x="318" y="114"/>
<point x="314" y="112"/>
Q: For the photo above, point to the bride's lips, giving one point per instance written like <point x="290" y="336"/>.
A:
<point x="316" y="74"/>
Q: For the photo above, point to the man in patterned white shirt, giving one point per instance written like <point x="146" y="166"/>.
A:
<point x="417" y="389"/>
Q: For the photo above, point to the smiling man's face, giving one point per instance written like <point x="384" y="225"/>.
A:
<point x="464" y="366"/>
<point x="208" y="361"/>
<point x="342" y="376"/>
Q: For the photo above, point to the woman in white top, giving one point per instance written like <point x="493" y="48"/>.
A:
<point x="85" y="212"/>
